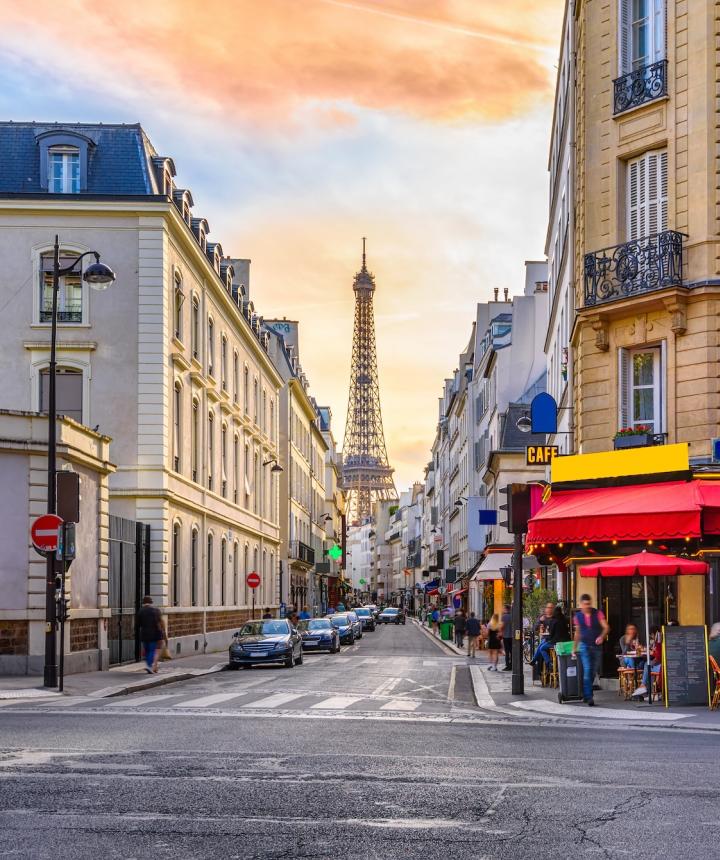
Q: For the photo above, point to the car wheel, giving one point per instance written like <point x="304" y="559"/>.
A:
<point x="233" y="667"/>
<point x="290" y="661"/>
<point x="299" y="660"/>
<point x="335" y="649"/>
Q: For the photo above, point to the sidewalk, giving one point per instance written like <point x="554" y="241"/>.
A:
<point x="493" y="691"/>
<point x="118" y="681"/>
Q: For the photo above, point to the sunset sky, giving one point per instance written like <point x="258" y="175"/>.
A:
<point x="301" y="126"/>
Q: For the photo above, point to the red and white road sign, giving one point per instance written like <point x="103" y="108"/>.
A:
<point x="253" y="579"/>
<point x="45" y="533"/>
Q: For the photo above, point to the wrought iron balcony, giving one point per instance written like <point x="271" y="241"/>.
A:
<point x="640" y="86"/>
<point x="71" y="314"/>
<point x="627" y="270"/>
<point x="302" y="552"/>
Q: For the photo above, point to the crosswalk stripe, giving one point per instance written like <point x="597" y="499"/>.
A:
<point x="136" y="701"/>
<point x="341" y="660"/>
<point x="65" y="702"/>
<point x="369" y="660"/>
<point x="337" y="703"/>
<point x="387" y="685"/>
<point x="400" y="705"/>
<point x="429" y="662"/>
<point x="206" y="701"/>
<point x="275" y="700"/>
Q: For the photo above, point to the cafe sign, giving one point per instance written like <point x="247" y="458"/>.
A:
<point x="540" y="455"/>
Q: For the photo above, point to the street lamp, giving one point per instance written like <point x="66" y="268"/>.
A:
<point x="99" y="277"/>
<point x="524" y="424"/>
<point x="276" y="468"/>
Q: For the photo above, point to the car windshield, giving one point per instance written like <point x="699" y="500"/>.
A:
<point x="390" y="611"/>
<point x="265" y="628"/>
<point x="362" y="611"/>
<point x="315" y="624"/>
<point x="340" y="620"/>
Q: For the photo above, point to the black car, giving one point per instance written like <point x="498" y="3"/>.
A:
<point x="391" y="615"/>
<point x="344" y="626"/>
<point x="318" y="634"/>
<point x="366" y="617"/>
<point x="267" y="641"/>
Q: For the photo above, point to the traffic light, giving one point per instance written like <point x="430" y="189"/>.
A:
<point x="63" y="608"/>
<point x="517" y="508"/>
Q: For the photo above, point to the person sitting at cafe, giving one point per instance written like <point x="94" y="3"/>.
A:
<point x="714" y="642"/>
<point x="654" y="664"/>
<point x="542" y="629"/>
<point x="629" y="646"/>
<point x="557" y="629"/>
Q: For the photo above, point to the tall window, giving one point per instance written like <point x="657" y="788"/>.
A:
<point x="236" y="377"/>
<point x="209" y="570"/>
<point x="272" y="419"/>
<point x="223" y="363"/>
<point x="195" y="327"/>
<point x="63" y="170"/>
<point x="211" y="450"/>
<point x="641" y="34"/>
<point x="246" y="390"/>
<point x="236" y="583"/>
<point x="223" y="570"/>
<point x="236" y="468"/>
<point x="179" y="298"/>
<point x="211" y="347"/>
<point x="647" y="196"/>
<point x="256" y="487"/>
<point x="68" y="392"/>
<point x="264" y="410"/>
<point x="246" y="472"/>
<point x="195" y="440"/>
<point x="223" y="460"/>
<point x="177" y="418"/>
<point x="255" y="401"/>
<point x="175" y="585"/>
<point x="194" y="568"/>
<point x="264" y="576"/>
<point x="642" y="388"/>
<point x="69" y="303"/>
<point x="246" y="570"/>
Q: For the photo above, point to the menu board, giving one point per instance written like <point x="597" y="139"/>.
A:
<point x="685" y="665"/>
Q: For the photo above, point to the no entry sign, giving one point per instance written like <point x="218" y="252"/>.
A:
<point x="253" y="579"/>
<point x="45" y="533"/>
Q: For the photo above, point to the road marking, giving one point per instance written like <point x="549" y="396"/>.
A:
<point x="136" y="701"/>
<point x="337" y="703"/>
<point x="400" y="705"/>
<point x="341" y="659"/>
<point x="65" y="703"/>
<point x="275" y="700"/>
<point x="451" y="687"/>
<point x="556" y="709"/>
<point x="481" y="689"/>
<point x="206" y="701"/>
<point x="369" y="660"/>
<point x="430" y="663"/>
<point x="385" y="687"/>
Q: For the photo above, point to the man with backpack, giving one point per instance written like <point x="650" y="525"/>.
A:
<point x="591" y="630"/>
<point x="152" y="635"/>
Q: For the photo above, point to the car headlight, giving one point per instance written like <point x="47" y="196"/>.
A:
<point x="281" y="646"/>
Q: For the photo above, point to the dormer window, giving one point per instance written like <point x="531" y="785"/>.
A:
<point x="64" y="170"/>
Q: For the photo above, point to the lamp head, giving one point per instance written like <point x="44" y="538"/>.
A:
<point x="98" y="275"/>
<point x="277" y="468"/>
<point x="524" y="424"/>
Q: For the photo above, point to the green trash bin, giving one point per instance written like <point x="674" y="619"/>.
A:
<point x="446" y="630"/>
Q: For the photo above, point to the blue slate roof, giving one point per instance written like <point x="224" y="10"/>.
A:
<point x="118" y="163"/>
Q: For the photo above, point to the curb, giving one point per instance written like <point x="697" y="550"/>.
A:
<point x="440" y="642"/>
<point x="139" y="686"/>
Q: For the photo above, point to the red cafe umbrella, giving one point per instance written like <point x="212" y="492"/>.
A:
<point x="646" y="564"/>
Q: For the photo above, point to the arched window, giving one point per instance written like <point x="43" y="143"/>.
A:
<point x="256" y="487"/>
<point x="255" y="401"/>
<point x="175" y="584"/>
<point x="272" y="577"/>
<point x="264" y="588"/>
<point x="236" y="377"/>
<point x="223" y="363"/>
<point x="236" y="584"/>
<point x="272" y="419"/>
<point x="210" y="450"/>
<point x="179" y="298"/>
<point x="195" y="440"/>
<point x="194" y="568"/>
<point x="210" y="346"/>
<point x="70" y="289"/>
<point x="223" y="570"/>
<point x="195" y="327"/>
<point x="246" y="390"/>
<point x="236" y="468"/>
<point x="177" y="424"/>
<point x="223" y="460"/>
<point x="264" y="410"/>
<point x="210" y="570"/>
<point x="246" y="553"/>
<point x="247" y="476"/>
<point x="68" y="392"/>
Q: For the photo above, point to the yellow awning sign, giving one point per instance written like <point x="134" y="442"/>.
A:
<point x="653" y="460"/>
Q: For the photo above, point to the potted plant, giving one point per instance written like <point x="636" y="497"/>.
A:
<point x="634" y="437"/>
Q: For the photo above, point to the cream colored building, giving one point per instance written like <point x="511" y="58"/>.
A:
<point x="170" y="362"/>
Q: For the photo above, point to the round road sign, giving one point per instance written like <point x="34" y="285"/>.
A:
<point x="253" y="579"/>
<point x="45" y="531"/>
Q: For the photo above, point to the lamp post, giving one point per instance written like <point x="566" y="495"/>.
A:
<point x="99" y="277"/>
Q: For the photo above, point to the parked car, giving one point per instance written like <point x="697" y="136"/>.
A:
<point x="318" y="634"/>
<point x="344" y="627"/>
<point x="357" y="623"/>
<point x="374" y="609"/>
<point x="267" y="641"/>
<point x="366" y="617"/>
<point x="391" y="615"/>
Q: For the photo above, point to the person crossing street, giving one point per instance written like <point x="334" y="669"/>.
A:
<point x="472" y="628"/>
<point x="460" y="624"/>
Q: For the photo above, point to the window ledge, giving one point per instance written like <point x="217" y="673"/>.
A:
<point x="180" y="360"/>
<point x="64" y="325"/>
<point x="80" y="345"/>
<point x="177" y="342"/>
<point x="637" y="108"/>
<point x="197" y="377"/>
<point x="213" y="394"/>
<point x="195" y="363"/>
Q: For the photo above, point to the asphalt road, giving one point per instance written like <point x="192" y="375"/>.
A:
<point x="376" y="752"/>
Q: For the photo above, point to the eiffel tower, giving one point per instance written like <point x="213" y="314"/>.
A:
<point x="367" y="476"/>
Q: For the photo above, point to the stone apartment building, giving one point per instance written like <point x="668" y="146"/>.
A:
<point x="170" y="362"/>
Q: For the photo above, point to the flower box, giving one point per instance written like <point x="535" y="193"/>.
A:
<point x="635" y="440"/>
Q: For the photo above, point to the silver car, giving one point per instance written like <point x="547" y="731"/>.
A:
<point x="356" y="623"/>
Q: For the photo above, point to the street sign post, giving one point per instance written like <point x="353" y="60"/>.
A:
<point x="253" y="581"/>
<point x="45" y="533"/>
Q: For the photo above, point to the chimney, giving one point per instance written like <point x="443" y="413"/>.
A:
<point x="496" y="291"/>
<point x="506" y="291"/>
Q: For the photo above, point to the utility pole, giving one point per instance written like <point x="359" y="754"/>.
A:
<point x="518" y="679"/>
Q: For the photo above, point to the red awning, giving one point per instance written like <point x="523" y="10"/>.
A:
<point x="457" y="592"/>
<point x="710" y="492"/>
<point x="641" y="512"/>
<point x="646" y="564"/>
<point x="431" y="592"/>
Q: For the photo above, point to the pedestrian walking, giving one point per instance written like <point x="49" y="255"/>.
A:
<point x="150" y="628"/>
<point x="305" y="614"/>
<point x="494" y="642"/>
<point x="460" y="624"/>
<point x="435" y="620"/>
<point x="591" y="630"/>
<point x="267" y="613"/>
<point x="472" y="628"/>
<point x="506" y="624"/>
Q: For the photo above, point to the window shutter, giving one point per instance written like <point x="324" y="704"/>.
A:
<point x="658" y="30"/>
<point x="656" y="206"/>
<point x="662" y="389"/>
<point x="623" y="388"/>
<point x="633" y="201"/>
<point x="624" y="37"/>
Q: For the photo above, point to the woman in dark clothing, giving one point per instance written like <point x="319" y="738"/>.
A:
<point x="559" y="627"/>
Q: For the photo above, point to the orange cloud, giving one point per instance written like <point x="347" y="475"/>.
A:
<point x="441" y="60"/>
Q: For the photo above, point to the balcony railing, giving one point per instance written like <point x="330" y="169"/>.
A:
<point x="71" y="314"/>
<point x="633" y="268"/>
<point x="640" y="86"/>
<point x="302" y="552"/>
